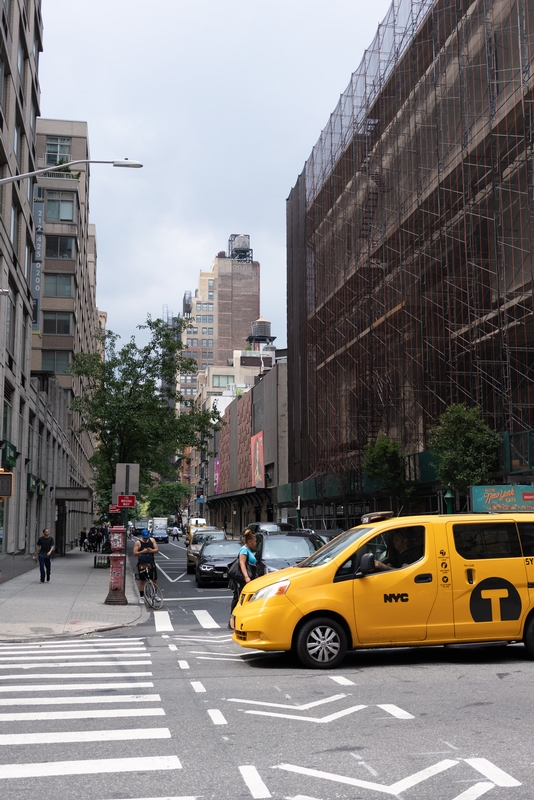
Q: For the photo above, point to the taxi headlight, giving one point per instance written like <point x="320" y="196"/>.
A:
<point x="273" y="590"/>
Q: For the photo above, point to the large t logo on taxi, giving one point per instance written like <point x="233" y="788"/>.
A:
<point x="495" y="600"/>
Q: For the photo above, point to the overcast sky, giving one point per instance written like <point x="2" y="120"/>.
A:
<point x="222" y="101"/>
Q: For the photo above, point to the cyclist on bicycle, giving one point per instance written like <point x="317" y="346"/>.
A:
<point x="145" y="549"/>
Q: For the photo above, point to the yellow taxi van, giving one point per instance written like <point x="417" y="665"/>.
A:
<point x="398" y="581"/>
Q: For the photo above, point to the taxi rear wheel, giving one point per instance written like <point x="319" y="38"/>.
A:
<point x="321" y="643"/>
<point x="528" y="637"/>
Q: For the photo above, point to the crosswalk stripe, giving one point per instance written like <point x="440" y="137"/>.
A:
<point x="40" y="675"/>
<point x="35" y="716"/>
<point x="58" y="687"/>
<point x="94" y="642"/>
<point x="163" y="621"/>
<point x="89" y="767"/>
<point x="205" y="619"/>
<point x="78" y="664"/>
<point x="50" y="656"/>
<point x="66" y="737"/>
<point x="74" y="649"/>
<point x="51" y="701"/>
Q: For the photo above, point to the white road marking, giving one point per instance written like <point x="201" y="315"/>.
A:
<point x="50" y="657"/>
<point x="171" y="580"/>
<point x="65" y="737"/>
<point x="40" y="675"/>
<point x="395" y="711"/>
<point x="493" y="773"/>
<point x="89" y="767"/>
<point x="301" y="797"/>
<point x="205" y="619"/>
<point x="66" y="650"/>
<point x="173" y="647"/>
<point x="163" y="621"/>
<point x="31" y="716"/>
<point x="216" y="716"/>
<point x="254" y="783"/>
<point x="318" y="720"/>
<point x="59" y="687"/>
<point x="198" y="686"/>
<point x="394" y="789"/>
<point x="79" y="664"/>
<point x="183" y="665"/>
<point x="167" y="797"/>
<point x="368" y="767"/>
<point x="221" y="658"/>
<point x="104" y="698"/>
<point x="199" y="596"/>
<point x="164" y="556"/>
<point x="475" y="791"/>
<point x="76" y="645"/>
<point x="303" y="707"/>
<point x="341" y="680"/>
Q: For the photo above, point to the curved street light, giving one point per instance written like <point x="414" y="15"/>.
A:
<point x="51" y="167"/>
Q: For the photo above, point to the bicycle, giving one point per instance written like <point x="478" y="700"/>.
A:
<point x="152" y="592"/>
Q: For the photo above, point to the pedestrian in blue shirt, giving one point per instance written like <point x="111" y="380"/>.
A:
<point x="247" y="563"/>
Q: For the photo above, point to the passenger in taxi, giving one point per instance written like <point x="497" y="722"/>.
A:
<point x="405" y="548"/>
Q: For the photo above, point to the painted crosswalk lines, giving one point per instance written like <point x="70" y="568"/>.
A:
<point x="32" y="706"/>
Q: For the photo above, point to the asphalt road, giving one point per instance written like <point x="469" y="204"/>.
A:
<point x="223" y="722"/>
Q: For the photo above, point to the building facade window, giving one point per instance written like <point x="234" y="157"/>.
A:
<point x="58" y="285"/>
<point x="7" y="414"/>
<point x="223" y="380"/>
<point x="57" y="149"/>
<point x="210" y="318"/>
<point x="55" y="360"/>
<point x="10" y="324"/>
<point x="211" y="282"/>
<point x="60" y="206"/>
<point x="210" y="295"/>
<point x="57" y="322"/>
<point x="59" y="247"/>
<point x="14" y="226"/>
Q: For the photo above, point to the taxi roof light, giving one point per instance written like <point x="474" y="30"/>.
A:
<point x="377" y="516"/>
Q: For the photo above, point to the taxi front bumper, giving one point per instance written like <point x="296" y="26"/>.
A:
<point x="265" y="624"/>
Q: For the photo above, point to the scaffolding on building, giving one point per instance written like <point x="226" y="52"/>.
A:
<point x="410" y="232"/>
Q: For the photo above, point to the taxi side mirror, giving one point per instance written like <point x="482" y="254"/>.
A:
<point x="367" y="564"/>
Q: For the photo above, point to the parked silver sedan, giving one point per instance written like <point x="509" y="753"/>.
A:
<point x="193" y="548"/>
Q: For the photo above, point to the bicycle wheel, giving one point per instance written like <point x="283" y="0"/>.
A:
<point x="150" y="594"/>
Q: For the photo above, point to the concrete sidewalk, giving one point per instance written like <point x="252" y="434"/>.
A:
<point x="71" y="604"/>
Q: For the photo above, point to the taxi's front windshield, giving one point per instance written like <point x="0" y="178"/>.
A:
<point x="334" y="547"/>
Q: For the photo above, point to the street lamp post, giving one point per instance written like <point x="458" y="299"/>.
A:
<point x="51" y="167"/>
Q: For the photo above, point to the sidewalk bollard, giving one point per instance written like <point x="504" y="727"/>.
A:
<point x="117" y="567"/>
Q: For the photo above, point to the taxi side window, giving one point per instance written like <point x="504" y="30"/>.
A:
<point x="526" y="534"/>
<point x="486" y="540"/>
<point x="393" y="549"/>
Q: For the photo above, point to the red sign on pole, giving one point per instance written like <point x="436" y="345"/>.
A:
<point x="114" y="509"/>
<point x="126" y="501"/>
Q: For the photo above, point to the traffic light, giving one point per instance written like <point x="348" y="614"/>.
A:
<point x="6" y="484"/>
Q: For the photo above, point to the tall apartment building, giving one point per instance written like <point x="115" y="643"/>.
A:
<point x="65" y="317"/>
<point x="410" y="240"/>
<point x="221" y="312"/>
<point x="34" y="443"/>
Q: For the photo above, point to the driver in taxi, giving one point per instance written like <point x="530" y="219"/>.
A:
<point x="405" y="550"/>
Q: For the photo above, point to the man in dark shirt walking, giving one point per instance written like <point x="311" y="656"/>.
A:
<point x="44" y="549"/>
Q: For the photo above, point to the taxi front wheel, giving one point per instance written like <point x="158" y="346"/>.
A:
<point x="321" y="643"/>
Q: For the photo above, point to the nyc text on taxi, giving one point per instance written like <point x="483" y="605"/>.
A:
<point x="421" y="580"/>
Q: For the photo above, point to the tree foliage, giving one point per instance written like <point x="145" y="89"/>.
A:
<point x="166" y="498"/>
<point x="467" y="449"/>
<point x="129" y="405"/>
<point x="384" y="465"/>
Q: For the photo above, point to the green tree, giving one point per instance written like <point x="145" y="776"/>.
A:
<point x="384" y="465"/>
<point x="129" y="405"/>
<point x="467" y="450"/>
<point x="166" y="498"/>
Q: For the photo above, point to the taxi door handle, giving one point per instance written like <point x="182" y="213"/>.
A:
<point x="470" y="578"/>
<point x="426" y="577"/>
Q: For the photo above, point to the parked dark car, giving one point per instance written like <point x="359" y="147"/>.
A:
<point x="213" y="560"/>
<point x="276" y="551"/>
<point x="268" y="527"/>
